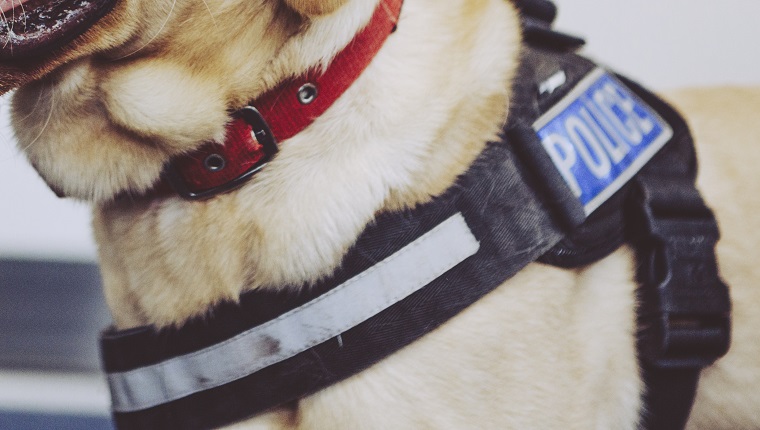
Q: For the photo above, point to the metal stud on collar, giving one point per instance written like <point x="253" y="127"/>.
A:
<point x="214" y="163"/>
<point x="307" y="93"/>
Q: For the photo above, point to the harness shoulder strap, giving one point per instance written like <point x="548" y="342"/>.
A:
<point x="684" y="313"/>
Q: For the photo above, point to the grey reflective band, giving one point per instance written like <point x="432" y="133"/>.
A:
<point x="324" y="318"/>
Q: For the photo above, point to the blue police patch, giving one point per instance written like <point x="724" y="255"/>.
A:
<point x="599" y="136"/>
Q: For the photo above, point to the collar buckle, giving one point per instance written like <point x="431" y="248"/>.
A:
<point x="213" y="164"/>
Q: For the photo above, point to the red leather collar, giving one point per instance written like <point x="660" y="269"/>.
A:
<point x="254" y="132"/>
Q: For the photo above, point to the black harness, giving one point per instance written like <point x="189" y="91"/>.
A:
<point x="519" y="209"/>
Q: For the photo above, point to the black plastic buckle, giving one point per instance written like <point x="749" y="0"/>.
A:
<point x="263" y="136"/>
<point x="685" y="307"/>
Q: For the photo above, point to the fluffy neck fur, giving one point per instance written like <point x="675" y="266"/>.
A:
<point x="401" y="134"/>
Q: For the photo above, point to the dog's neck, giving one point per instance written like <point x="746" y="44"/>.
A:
<point x="404" y="131"/>
<point x="252" y="135"/>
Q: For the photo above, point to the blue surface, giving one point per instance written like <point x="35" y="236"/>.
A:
<point x="34" y="421"/>
<point x="600" y="133"/>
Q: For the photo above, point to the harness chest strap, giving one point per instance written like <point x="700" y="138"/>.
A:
<point x="491" y="249"/>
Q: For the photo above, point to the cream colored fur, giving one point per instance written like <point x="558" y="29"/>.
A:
<point x="550" y="349"/>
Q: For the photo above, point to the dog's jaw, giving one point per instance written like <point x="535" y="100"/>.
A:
<point x="127" y="29"/>
<point x="98" y="157"/>
<point x="169" y="94"/>
<point x="128" y="116"/>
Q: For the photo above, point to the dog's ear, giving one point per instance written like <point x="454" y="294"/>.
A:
<point x="315" y="7"/>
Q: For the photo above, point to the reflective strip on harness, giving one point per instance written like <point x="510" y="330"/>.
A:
<point x="324" y="318"/>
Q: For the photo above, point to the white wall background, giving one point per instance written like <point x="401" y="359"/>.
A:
<point x="664" y="44"/>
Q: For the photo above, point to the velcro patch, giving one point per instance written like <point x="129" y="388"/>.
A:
<point x="599" y="136"/>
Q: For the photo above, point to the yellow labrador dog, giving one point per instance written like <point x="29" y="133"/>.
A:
<point x="104" y="103"/>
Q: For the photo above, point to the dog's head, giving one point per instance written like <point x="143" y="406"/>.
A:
<point x="111" y="89"/>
